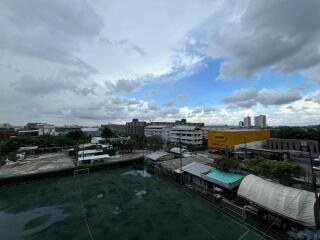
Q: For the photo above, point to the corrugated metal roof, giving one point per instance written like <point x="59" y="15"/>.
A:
<point x="97" y="157"/>
<point x="292" y="203"/>
<point x="177" y="150"/>
<point x="27" y="148"/>
<point x="196" y="169"/>
<point x="89" y="151"/>
<point x="155" y="156"/>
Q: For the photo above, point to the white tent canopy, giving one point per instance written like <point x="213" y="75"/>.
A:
<point x="292" y="203"/>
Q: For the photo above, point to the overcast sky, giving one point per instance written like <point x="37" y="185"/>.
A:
<point x="93" y="62"/>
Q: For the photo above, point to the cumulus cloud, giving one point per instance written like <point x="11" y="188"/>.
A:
<point x="171" y="102"/>
<point x="315" y="97"/>
<point x="52" y="33"/>
<point x="124" y="86"/>
<point x="34" y="86"/>
<point x="253" y="36"/>
<point x="246" y="98"/>
<point x="152" y="106"/>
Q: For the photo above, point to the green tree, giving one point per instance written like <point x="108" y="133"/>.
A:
<point x="154" y="143"/>
<point x="12" y="157"/>
<point x="77" y="136"/>
<point x="107" y="133"/>
<point x="130" y="144"/>
<point x="283" y="171"/>
<point x="226" y="164"/>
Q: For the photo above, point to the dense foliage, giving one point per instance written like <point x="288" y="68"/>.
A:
<point x="309" y="132"/>
<point x="226" y="164"/>
<point x="12" y="145"/>
<point x="283" y="171"/>
<point x="127" y="145"/>
<point x="154" y="143"/>
<point x="107" y="133"/>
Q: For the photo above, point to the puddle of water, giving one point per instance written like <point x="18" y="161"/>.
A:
<point x="17" y="226"/>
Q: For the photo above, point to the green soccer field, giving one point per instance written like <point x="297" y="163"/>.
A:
<point x="118" y="204"/>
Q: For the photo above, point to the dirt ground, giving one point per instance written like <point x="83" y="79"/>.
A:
<point x="37" y="163"/>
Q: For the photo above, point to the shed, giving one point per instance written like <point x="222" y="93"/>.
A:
<point x="176" y="151"/>
<point x="28" y="150"/>
<point x="159" y="156"/>
<point x="294" y="204"/>
<point x="196" y="169"/>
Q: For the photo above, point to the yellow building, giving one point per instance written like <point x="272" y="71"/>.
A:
<point x="231" y="139"/>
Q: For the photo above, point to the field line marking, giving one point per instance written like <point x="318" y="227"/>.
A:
<point x="242" y="236"/>
<point x="199" y="224"/>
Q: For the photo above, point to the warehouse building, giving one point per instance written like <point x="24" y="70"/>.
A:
<point x="233" y="139"/>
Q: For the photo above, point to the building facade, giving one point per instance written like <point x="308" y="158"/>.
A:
<point x="187" y="135"/>
<point x="293" y="144"/>
<point x="47" y="129"/>
<point x="260" y="121"/>
<point x="153" y="130"/>
<point x="235" y="139"/>
<point x="247" y="122"/>
<point x="135" y="128"/>
<point x="118" y="128"/>
<point x="91" y="131"/>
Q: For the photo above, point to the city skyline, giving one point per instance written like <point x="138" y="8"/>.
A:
<point x="88" y="63"/>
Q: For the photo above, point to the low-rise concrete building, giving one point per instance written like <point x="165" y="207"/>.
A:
<point x="47" y="129"/>
<point x="153" y="130"/>
<point x="91" y="131"/>
<point x="187" y="135"/>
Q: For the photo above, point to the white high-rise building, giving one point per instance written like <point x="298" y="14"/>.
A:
<point x="247" y="122"/>
<point x="260" y="121"/>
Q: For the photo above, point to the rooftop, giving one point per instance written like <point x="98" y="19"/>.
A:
<point x="225" y="177"/>
<point x="196" y="168"/>
<point x="97" y="157"/>
<point x="155" y="156"/>
<point x="89" y="151"/>
<point x="185" y="127"/>
<point x="155" y="126"/>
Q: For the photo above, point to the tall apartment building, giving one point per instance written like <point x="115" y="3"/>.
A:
<point x="135" y="128"/>
<point x="241" y="124"/>
<point x="188" y="135"/>
<point x="260" y="121"/>
<point x="247" y="122"/>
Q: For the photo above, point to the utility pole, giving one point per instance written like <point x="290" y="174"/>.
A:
<point x="180" y="164"/>
<point x="245" y="148"/>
